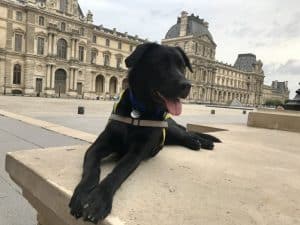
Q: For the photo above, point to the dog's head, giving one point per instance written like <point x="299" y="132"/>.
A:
<point x="156" y="76"/>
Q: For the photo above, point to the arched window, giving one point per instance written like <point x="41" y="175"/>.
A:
<point x="62" y="49"/>
<point x="17" y="74"/>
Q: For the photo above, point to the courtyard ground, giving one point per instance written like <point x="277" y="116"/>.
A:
<point x="251" y="178"/>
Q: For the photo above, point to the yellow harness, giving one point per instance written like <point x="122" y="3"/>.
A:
<point x="166" y="116"/>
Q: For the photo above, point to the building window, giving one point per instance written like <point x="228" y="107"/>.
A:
<point x="62" y="49"/>
<point x="131" y="48"/>
<point x="19" y="16"/>
<point x="17" y="74"/>
<point x="119" y="45"/>
<point x="81" y="31"/>
<point x="93" y="57"/>
<point x="40" y="46"/>
<point x="119" y="62"/>
<point x="94" y="39"/>
<point x="18" y="42"/>
<point x="63" y="5"/>
<point x="107" y="42"/>
<point x="81" y="53"/>
<point x="41" y="21"/>
<point x="63" y="26"/>
<point x="106" y="60"/>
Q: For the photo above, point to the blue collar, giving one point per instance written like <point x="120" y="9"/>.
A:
<point x="141" y="107"/>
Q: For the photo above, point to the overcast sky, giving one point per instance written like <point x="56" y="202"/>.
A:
<point x="268" y="28"/>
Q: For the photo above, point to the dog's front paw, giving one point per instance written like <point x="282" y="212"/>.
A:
<point x="97" y="205"/>
<point x="79" y="195"/>
<point x="193" y="143"/>
<point x="204" y="143"/>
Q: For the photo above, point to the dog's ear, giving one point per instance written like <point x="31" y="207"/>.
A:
<point x="137" y="54"/>
<point x="185" y="58"/>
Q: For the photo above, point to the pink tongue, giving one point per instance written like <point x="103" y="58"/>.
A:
<point x="174" y="107"/>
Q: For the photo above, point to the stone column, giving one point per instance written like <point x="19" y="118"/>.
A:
<point x="54" y="45"/>
<point x="72" y="48"/>
<point x="71" y="79"/>
<point x="52" y="76"/>
<point x="75" y="48"/>
<point x="49" y="44"/>
<point x="75" y="79"/>
<point x="106" y="85"/>
<point x="48" y="77"/>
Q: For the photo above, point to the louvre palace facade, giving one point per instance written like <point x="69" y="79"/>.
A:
<point x="216" y="82"/>
<point x="50" y="48"/>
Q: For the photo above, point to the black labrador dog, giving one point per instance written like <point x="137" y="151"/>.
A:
<point x="156" y="85"/>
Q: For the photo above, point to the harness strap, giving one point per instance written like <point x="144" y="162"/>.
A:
<point x="137" y="122"/>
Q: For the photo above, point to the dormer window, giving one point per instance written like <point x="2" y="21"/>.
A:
<point x="81" y="31"/>
<point x="41" y="21"/>
<point x="94" y="39"/>
<point x="107" y="42"/>
<point x="19" y="16"/>
<point x="63" y="6"/>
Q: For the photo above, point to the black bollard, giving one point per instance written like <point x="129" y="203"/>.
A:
<point x="80" y="110"/>
<point x="213" y="112"/>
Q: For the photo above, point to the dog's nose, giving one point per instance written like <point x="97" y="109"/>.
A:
<point x="185" y="88"/>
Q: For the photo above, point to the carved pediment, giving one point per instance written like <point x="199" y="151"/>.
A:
<point x="40" y="34"/>
<point x="19" y="30"/>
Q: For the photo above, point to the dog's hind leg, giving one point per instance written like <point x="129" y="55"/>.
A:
<point x="91" y="173"/>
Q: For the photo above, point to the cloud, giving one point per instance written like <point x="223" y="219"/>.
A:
<point x="289" y="71"/>
<point x="268" y="28"/>
<point x="292" y="66"/>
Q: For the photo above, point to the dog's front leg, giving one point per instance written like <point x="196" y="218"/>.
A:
<point x="99" y="201"/>
<point x="91" y="174"/>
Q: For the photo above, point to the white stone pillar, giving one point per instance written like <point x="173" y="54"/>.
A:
<point x="49" y="44"/>
<point x="75" y="79"/>
<point x="106" y="85"/>
<point x="72" y="48"/>
<point x="48" y="77"/>
<point x="75" y="48"/>
<point x="52" y="76"/>
<point x="71" y="79"/>
<point x="54" y="44"/>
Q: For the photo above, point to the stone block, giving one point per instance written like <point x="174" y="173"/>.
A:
<point x="283" y="120"/>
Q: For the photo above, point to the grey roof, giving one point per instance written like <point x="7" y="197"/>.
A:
<point x="245" y="62"/>
<point x="195" y="27"/>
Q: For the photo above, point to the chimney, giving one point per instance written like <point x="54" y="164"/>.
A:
<point x="183" y="24"/>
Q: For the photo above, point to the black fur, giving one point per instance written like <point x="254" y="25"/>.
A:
<point x="153" y="69"/>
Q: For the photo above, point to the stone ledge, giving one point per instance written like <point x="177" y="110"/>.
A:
<point x="252" y="177"/>
<point x="287" y="121"/>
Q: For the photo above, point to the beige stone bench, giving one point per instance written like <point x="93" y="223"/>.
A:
<point x="253" y="177"/>
<point x="279" y="120"/>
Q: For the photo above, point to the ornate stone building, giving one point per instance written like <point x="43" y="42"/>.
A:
<point x="48" y="47"/>
<point x="277" y="91"/>
<point x="212" y="81"/>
